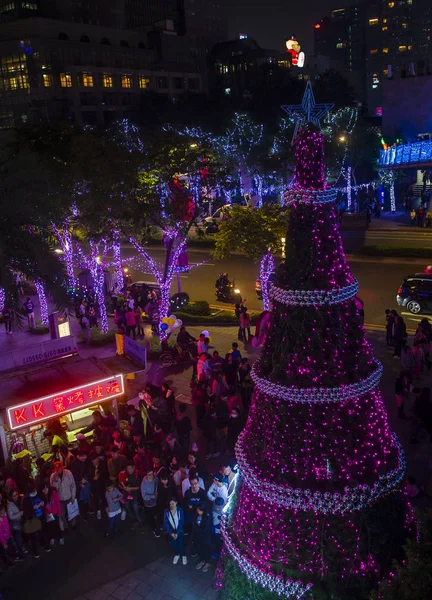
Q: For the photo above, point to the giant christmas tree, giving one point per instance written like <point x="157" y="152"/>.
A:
<point x="319" y="509"/>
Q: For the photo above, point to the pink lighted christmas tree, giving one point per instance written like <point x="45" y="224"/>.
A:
<point x="319" y="509"/>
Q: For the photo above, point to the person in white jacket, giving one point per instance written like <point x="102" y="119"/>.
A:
<point x="218" y="489"/>
<point x="63" y="481"/>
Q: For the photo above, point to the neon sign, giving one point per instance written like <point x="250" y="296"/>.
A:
<point x="61" y="403"/>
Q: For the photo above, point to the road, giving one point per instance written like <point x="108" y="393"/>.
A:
<point x="378" y="281"/>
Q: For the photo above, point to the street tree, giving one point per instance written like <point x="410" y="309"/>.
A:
<point x="258" y="232"/>
<point x="180" y="168"/>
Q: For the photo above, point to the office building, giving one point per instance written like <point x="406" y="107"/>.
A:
<point x="52" y="69"/>
<point x="92" y="62"/>
<point x="238" y="65"/>
<point x="379" y="39"/>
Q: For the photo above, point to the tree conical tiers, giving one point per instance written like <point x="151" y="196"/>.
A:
<point x="319" y="510"/>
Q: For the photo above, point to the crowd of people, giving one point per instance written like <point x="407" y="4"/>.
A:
<point x="415" y="361"/>
<point x="143" y="470"/>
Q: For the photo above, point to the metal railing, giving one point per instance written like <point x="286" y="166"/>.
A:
<point x="417" y="152"/>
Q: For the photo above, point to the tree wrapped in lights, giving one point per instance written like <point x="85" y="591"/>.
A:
<point x="96" y="262"/>
<point x="319" y="509"/>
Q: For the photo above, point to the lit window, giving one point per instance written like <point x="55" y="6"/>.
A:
<point x="23" y="82"/>
<point x="144" y="82"/>
<point x="374" y="86"/>
<point x="374" y="51"/>
<point x="87" y="79"/>
<point x="384" y="20"/>
<point x="385" y="50"/>
<point x="29" y="5"/>
<point x="107" y="80"/>
<point x="7" y="7"/>
<point x="227" y="91"/>
<point x="65" y="80"/>
<point x="47" y="79"/>
<point x="225" y="69"/>
<point x="385" y="71"/>
<point x="373" y="21"/>
<point x="126" y="81"/>
<point x="409" y="47"/>
<point x="341" y="45"/>
<point x="384" y="28"/>
<point x="13" y="83"/>
<point x="402" y="48"/>
<point x="404" y="25"/>
<point x="391" y="4"/>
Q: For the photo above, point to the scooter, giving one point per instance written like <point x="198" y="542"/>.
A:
<point x="229" y="293"/>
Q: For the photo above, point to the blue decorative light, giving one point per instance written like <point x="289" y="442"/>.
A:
<point x="308" y="111"/>
<point x="404" y="154"/>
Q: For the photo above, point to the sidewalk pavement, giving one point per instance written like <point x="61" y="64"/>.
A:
<point x="396" y="221"/>
<point x="159" y="580"/>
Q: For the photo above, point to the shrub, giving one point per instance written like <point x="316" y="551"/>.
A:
<point x="201" y="308"/>
<point x="97" y="338"/>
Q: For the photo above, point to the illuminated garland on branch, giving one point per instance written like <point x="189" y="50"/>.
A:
<point x="42" y="301"/>
<point x="317" y="395"/>
<point x="275" y="583"/>
<point x="296" y="195"/>
<point x="2" y="299"/>
<point x="314" y="297"/>
<point x="353" y="499"/>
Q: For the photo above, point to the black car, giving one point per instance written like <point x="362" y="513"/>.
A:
<point x="415" y="293"/>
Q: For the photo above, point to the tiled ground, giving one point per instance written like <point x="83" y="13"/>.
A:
<point x="159" y="580"/>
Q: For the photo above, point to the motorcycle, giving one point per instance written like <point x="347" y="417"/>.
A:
<point x="228" y="293"/>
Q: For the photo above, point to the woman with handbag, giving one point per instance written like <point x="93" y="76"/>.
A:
<point x="52" y="514"/>
<point x="33" y="509"/>
<point x="63" y="482"/>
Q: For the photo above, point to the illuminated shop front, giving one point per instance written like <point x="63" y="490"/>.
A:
<point x="73" y="407"/>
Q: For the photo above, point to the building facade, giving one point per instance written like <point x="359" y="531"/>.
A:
<point x="86" y="74"/>
<point x="240" y="64"/>
<point x="92" y="62"/>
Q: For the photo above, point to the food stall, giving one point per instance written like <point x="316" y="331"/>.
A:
<point x="73" y="407"/>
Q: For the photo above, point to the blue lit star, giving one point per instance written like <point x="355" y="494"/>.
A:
<point x="308" y="111"/>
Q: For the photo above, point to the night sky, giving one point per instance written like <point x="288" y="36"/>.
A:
<point x="271" y="21"/>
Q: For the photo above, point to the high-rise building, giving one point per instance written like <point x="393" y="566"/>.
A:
<point x="144" y="13"/>
<point x="341" y="37"/>
<point x="398" y="40"/>
<point x="379" y="38"/>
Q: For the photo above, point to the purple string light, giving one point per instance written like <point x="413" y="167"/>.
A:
<point x="40" y="289"/>
<point x="317" y="449"/>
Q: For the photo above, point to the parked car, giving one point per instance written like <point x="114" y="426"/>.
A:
<point x="415" y="293"/>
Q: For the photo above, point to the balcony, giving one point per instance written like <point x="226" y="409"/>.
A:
<point x="415" y="155"/>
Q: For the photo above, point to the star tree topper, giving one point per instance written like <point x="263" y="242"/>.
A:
<point x="308" y="111"/>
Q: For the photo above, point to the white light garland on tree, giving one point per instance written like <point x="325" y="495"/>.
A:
<point x="351" y="500"/>
<point x="287" y="588"/>
<point x="314" y="297"/>
<point x="317" y="395"/>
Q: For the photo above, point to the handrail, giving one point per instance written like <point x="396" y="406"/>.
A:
<point x="416" y="152"/>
